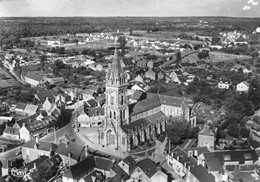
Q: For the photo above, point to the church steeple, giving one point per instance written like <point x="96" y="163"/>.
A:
<point x="115" y="74"/>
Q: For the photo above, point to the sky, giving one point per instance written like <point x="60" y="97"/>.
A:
<point x="234" y="8"/>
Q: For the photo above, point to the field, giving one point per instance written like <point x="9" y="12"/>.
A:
<point x="6" y="81"/>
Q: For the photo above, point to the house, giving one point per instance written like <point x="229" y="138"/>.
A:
<point x="11" y="133"/>
<point x="186" y="165"/>
<point x="33" y="149"/>
<point x="41" y="96"/>
<point x="93" y="117"/>
<point x="139" y="78"/>
<point x="160" y="75"/>
<point x="146" y="170"/>
<point x="150" y="74"/>
<point x="150" y="64"/>
<point x="85" y="168"/>
<point x="224" y="83"/>
<point x="53" y="81"/>
<point x="26" y="109"/>
<point x="206" y="138"/>
<point x="243" y="87"/>
<point x="32" y="78"/>
<point x="227" y="159"/>
<point x="71" y="152"/>
<point x="88" y="94"/>
<point x="140" y="86"/>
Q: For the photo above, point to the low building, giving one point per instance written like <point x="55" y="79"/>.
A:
<point x="32" y="78"/>
<point x="12" y="133"/>
<point x="243" y="87"/>
<point x="206" y="138"/>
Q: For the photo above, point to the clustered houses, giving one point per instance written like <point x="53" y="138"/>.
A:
<point x="127" y="125"/>
<point x="93" y="168"/>
<point x="32" y="121"/>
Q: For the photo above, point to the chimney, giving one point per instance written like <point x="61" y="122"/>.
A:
<point x="23" y="124"/>
<point x="178" y="158"/>
<point x="34" y="166"/>
<point x="37" y="139"/>
<point x="36" y="146"/>
<point x="70" y="155"/>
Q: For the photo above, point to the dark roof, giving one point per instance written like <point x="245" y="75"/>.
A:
<point x="11" y="130"/>
<point x="81" y="169"/>
<point x="103" y="163"/>
<point x="183" y="157"/>
<point x="148" y="167"/>
<point x="71" y="148"/>
<point x="36" y="161"/>
<point x="27" y="120"/>
<point x="21" y="106"/>
<point x="88" y="165"/>
<point x="120" y="172"/>
<point x="149" y="119"/>
<point x="96" y="111"/>
<point x="214" y="165"/>
<point x="53" y="161"/>
<point x="137" y="95"/>
<point x="96" y="174"/>
<point x="92" y="103"/>
<point x="146" y="104"/>
<point x="202" y="174"/>
<point x="42" y="145"/>
<point x="49" y="93"/>
<point x="229" y="156"/>
<point x="37" y="125"/>
<point x="155" y="101"/>
<point x="129" y="160"/>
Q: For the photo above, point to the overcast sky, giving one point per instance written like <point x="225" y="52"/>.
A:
<point x="237" y="8"/>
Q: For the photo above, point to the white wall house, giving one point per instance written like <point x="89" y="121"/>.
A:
<point x="243" y="87"/>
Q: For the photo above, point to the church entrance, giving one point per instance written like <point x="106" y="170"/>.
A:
<point x="110" y="138"/>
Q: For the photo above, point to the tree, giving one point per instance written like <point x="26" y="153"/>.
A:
<point x="244" y="132"/>
<point x="43" y="59"/>
<point x="248" y="108"/>
<point x="122" y="41"/>
<point x="255" y="54"/>
<point x="254" y="93"/>
<point x="233" y="130"/>
<point x="59" y="64"/>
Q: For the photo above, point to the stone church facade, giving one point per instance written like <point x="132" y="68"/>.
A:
<point x="127" y="125"/>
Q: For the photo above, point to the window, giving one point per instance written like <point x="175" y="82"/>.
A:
<point x="226" y="157"/>
<point x="248" y="156"/>
<point x="114" y="115"/>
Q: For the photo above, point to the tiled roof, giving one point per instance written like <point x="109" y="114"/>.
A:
<point x="120" y="172"/>
<point x="129" y="160"/>
<point x="36" y="161"/>
<point x="230" y="156"/>
<point x="48" y="93"/>
<point x="206" y="131"/>
<point x="172" y="101"/>
<point x="81" y="169"/>
<point x="138" y="122"/>
<point x="137" y="95"/>
<point x="214" y="165"/>
<point x="31" y="108"/>
<point x="33" y="76"/>
<point x="42" y="145"/>
<point x="202" y="174"/>
<point x="11" y="130"/>
<point x="146" y="104"/>
<point x="71" y="148"/>
<point x="103" y="163"/>
<point x="200" y="150"/>
<point x="36" y="125"/>
<point x="156" y="101"/>
<point x="148" y="167"/>
<point x="20" y="106"/>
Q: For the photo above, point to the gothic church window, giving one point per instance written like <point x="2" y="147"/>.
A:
<point x="114" y="115"/>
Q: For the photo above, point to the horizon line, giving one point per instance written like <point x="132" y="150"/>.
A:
<point x="132" y="16"/>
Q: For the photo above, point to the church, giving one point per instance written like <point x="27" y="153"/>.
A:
<point x="126" y="125"/>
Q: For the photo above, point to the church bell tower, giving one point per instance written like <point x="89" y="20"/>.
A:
<point x="116" y="108"/>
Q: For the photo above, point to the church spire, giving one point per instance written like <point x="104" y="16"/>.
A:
<point x="116" y="66"/>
